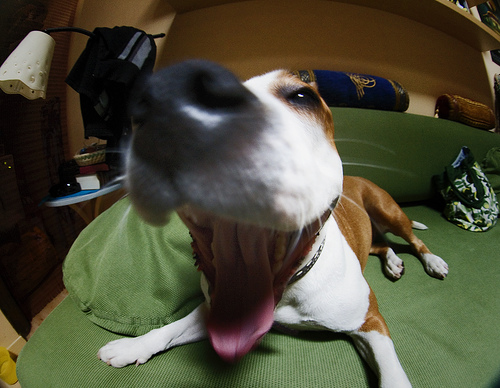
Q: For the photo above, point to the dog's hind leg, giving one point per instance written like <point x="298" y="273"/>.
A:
<point x="140" y="349"/>
<point x="387" y="216"/>
<point x="374" y="343"/>
<point x="433" y="264"/>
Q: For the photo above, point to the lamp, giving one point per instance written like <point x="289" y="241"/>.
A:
<point x="26" y="70"/>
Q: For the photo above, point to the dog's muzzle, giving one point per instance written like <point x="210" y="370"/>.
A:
<point x="258" y="152"/>
<point x="195" y="125"/>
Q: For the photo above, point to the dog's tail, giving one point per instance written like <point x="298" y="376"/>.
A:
<point x="418" y="225"/>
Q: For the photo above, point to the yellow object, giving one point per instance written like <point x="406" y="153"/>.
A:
<point x="7" y="367"/>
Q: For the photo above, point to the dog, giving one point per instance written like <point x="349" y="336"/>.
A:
<point x="280" y="235"/>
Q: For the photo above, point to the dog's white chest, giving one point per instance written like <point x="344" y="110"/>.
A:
<point x="334" y="294"/>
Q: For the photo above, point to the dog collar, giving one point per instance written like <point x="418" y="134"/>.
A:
<point x="305" y="269"/>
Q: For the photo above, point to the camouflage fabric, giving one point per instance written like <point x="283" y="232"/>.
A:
<point x="470" y="201"/>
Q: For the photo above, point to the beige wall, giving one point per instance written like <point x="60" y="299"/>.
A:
<point x="252" y="37"/>
<point x="255" y="36"/>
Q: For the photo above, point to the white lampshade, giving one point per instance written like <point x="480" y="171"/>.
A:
<point x="26" y="70"/>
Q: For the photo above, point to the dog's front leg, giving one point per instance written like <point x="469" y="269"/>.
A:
<point x="378" y="351"/>
<point x="374" y="344"/>
<point x="140" y="349"/>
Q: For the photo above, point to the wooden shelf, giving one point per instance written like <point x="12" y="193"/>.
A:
<point x="442" y="15"/>
<point x="439" y="14"/>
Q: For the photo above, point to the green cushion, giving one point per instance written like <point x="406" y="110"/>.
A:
<point x="130" y="277"/>
<point x="445" y="332"/>
<point x="113" y="276"/>
<point x="401" y="151"/>
<point x="127" y="277"/>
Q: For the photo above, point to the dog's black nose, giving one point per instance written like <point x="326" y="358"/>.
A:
<point x="214" y="87"/>
<point x="194" y="84"/>
<point x="193" y="110"/>
<point x="194" y="120"/>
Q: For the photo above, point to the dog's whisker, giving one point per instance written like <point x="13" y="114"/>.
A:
<point x="367" y="143"/>
<point x="119" y="179"/>
<point x="373" y="222"/>
<point x="294" y="241"/>
<point x="380" y="167"/>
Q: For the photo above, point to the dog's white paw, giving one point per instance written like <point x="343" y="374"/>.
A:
<point x="125" y="351"/>
<point x="435" y="266"/>
<point x="394" y="266"/>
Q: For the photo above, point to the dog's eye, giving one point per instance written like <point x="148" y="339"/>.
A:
<point x="304" y="97"/>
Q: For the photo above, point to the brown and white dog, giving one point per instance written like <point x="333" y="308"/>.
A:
<point x="279" y="234"/>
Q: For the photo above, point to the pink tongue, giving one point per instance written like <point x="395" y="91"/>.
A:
<point x="242" y="305"/>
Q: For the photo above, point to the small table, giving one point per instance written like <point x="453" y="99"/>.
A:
<point x="95" y="196"/>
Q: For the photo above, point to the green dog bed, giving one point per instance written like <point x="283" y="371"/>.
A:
<point x="126" y="277"/>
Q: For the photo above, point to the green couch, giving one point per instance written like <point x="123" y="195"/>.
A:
<point x="126" y="277"/>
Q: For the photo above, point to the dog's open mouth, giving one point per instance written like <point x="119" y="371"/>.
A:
<point x="242" y="301"/>
<point x="247" y="268"/>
